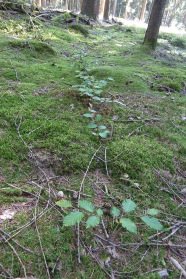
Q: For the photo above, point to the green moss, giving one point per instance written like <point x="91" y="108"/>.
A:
<point x="41" y="47"/>
<point x="138" y="157"/>
<point x="80" y="28"/>
<point x="151" y="43"/>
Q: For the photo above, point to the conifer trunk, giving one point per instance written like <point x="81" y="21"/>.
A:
<point x="114" y="7"/>
<point x="90" y="8"/>
<point x="143" y="10"/>
<point x="155" y="21"/>
<point x="106" y="10"/>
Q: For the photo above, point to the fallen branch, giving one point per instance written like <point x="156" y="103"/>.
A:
<point x="178" y="266"/>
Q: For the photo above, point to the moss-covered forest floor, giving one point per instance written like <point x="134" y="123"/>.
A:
<point x="46" y="147"/>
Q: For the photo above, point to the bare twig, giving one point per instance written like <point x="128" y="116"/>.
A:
<point x="177" y="127"/>
<point x="6" y="271"/>
<point x="14" y="69"/>
<point x="22" y="247"/>
<point x="104" y="228"/>
<point x="15" y="252"/>
<point x="178" y="266"/>
<point x="79" y="196"/>
<point x="106" y="162"/>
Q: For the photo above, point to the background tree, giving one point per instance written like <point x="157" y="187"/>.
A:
<point x="114" y="7"/>
<point x="90" y="8"/>
<point x="155" y="21"/>
<point x="126" y="8"/>
<point x="106" y="10"/>
<point x="102" y="8"/>
<point x="143" y="10"/>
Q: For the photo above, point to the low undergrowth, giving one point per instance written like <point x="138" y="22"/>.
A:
<point x="49" y="151"/>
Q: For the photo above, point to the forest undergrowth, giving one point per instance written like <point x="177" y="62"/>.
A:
<point x="54" y="146"/>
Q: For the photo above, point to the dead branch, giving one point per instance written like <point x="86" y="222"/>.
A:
<point x="15" y="252"/>
<point x="178" y="266"/>
<point x="22" y="247"/>
<point x="6" y="271"/>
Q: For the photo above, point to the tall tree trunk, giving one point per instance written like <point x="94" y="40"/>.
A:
<point x="106" y="10"/>
<point x="138" y="11"/>
<point x="143" y="10"/>
<point x="155" y="21"/>
<point x="114" y="7"/>
<point x="90" y="8"/>
<point x="43" y="3"/>
<point x="38" y="2"/>
<point x="126" y="9"/>
<point x="102" y="6"/>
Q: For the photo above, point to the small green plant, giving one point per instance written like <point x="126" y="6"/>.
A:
<point x="75" y="217"/>
<point x="93" y="89"/>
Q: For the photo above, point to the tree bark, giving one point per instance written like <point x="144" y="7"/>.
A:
<point x="143" y="10"/>
<point x="126" y="9"/>
<point x="43" y="3"/>
<point x="155" y="21"/>
<point x="106" y="10"/>
<point x="102" y="8"/>
<point x="114" y="7"/>
<point x="38" y="2"/>
<point x="90" y="8"/>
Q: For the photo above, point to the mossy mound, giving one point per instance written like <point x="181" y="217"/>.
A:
<point x="33" y="45"/>
<point x="79" y="28"/>
<point x="138" y="156"/>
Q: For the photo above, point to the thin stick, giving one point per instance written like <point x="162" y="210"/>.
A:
<point x="47" y="269"/>
<point x="178" y="266"/>
<point x="104" y="228"/>
<point x="82" y="182"/>
<point x="106" y="161"/>
<point x="79" y="196"/>
<point x="172" y="233"/>
<point x="6" y="234"/>
<point x="177" y="127"/>
<point x="6" y="271"/>
<point x="15" y="252"/>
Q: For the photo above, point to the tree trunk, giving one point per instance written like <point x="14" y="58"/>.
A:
<point x="143" y="10"/>
<point x="106" y="10"/>
<point x="102" y="6"/>
<point x="155" y="21"/>
<point x="114" y="7"/>
<point x="126" y="9"/>
<point x="90" y="8"/>
<point x="43" y="3"/>
<point x="38" y="2"/>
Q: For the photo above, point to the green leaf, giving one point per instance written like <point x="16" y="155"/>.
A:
<point x="73" y="218"/>
<point x="99" y="212"/>
<point x="104" y="134"/>
<point x="129" y="225"/>
<point x="115" y="211"/>
<point x="128" y="205"/>
<point x="102" y="127"/>
<point x="98" y="117"/>
<point x="98" y="91"/>
<point x="92" y="222"/>
<point x="64" y="203"/>
<point x="96" y="98"/>
<point x="88" y="115"/>
<point x="92" y="125"/>
<point x="152" y="223"/>
<point x="152" y="211"/>
<point x="86" y="205"/>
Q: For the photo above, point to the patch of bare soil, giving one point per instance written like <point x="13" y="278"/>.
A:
<point x="8" y="212"/>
